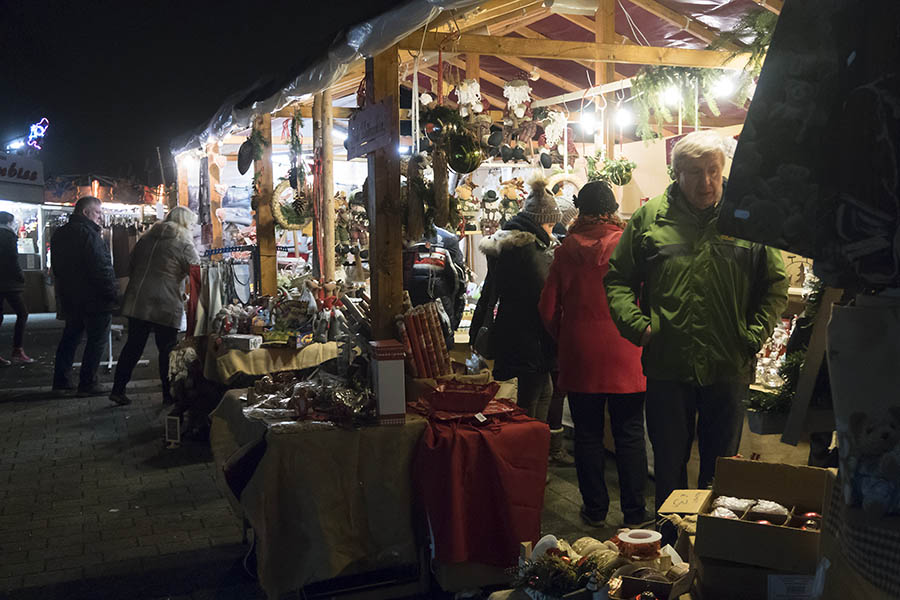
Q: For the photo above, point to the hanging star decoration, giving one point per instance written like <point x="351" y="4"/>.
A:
<point x="37" y="132"/>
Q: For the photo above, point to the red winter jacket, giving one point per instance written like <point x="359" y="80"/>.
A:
<point x="593" y="357"/>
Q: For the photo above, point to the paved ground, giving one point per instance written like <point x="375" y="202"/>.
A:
<point x="92" y="504"/>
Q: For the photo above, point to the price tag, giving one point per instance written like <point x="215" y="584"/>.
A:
<point x="480" y="417"/>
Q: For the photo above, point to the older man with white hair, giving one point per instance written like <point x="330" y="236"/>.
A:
<point x="701" y="304"/>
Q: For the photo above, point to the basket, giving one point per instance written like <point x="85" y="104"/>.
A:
<point x="459" y="397"/>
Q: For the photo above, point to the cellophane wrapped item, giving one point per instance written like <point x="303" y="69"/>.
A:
<point x="723" y="513"/>
<point x="737" y="505"/>
<point x="767" y="507"/>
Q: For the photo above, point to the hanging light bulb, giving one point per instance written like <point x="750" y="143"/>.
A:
<point x="588" y="123"/>
<point x="723" y="87"/>
<point x="671" y="97"/>
<point x="624" y="118"/>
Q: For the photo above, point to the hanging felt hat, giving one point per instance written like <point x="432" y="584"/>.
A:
<point x="540" y="206"/>
<point x="245" y="157"/>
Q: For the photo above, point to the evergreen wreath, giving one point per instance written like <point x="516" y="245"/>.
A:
<point x="614" y="171"/>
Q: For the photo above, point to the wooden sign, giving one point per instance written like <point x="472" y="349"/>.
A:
<point x="369" y="130"/>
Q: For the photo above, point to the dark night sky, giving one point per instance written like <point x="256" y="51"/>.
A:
<point x="117" y="78"/>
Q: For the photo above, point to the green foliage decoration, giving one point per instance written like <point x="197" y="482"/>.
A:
<point x="616" y="171"/>
<point x="752" y="34"/>
<point x="652" y="82"/>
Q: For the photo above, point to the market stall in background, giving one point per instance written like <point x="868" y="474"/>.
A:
<point x="436" y="115"/>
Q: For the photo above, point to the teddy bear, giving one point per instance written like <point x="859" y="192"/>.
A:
<point x="874" y="461"/>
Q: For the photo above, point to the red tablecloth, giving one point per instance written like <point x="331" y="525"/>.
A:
<point x="482" y="486"/>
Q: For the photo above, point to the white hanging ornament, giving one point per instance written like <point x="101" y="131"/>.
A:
<point x="517" y="93"/>
<point x="426" y="99"/>
<point x="555" y="129"/>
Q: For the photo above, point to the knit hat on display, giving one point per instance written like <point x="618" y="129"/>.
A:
<point x="596" y="198"/>
<point x="567" y="210"/>
<point x="540" y="206"/>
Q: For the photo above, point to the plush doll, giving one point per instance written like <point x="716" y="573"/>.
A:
<point x="491" y="214"/>
<point x="874" y="461"/>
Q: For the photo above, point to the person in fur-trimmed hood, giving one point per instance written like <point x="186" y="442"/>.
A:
<point x="519" y="257"/>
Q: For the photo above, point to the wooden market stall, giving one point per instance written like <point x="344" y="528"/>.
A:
<point x="583" y="60"/>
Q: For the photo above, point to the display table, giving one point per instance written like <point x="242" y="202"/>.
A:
<point x="324" y="501"/>
<point x="482" y="486"/>
<point x="222" y="367"/>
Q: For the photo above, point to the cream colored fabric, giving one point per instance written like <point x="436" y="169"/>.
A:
<point x="324" y="503"/>
<point x="224" y="367"/>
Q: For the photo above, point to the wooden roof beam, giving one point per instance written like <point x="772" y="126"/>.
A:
<point x="562" y="50"/>
<point x="775" y="6"/>
<point x="692" y="26"/>
<point x="476" y="17"/>
<point x="532" y="18"/>
<point x="559" y="82"/>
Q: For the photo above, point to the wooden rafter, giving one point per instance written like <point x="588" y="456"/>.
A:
<point x="431" y="74"/>
<point x="774" y="6"/>
<point x="689" y="24"/>
<point x="530" y="19"/>
<point x="562" y="50"/>
<point x="559" y="82"/>
<point x="484" y="15"/>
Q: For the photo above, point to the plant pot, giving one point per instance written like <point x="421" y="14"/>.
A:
<point x="623" y="179"/>
<point x="766" y="423"/>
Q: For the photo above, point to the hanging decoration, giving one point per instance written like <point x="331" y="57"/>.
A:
<point x="661" y="91"/>
<point x="37" y="132"/>
<point x="554" y="127"/>
<point x="469" y="95"/>
<point x="615" y="171"/>
<point x="752" y="34"/>
<point x="518" y="95"/>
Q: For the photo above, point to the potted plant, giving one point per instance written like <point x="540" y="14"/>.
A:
<point x="767" y="412"/>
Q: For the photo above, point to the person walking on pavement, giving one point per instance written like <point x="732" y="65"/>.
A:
<point x="519" y="257"/>
<point x="88" y="293"/>
<point x="707" y="304"/>
<point x="12" y="284"/>
<point x="598" y="368"/>
<point x="153" y="302"/>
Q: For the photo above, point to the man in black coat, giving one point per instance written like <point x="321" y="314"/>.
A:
<point x="12" y="284"/>
<point x="88" y="293"/>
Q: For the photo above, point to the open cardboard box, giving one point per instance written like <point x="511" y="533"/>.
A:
<point x="778" y="547"/>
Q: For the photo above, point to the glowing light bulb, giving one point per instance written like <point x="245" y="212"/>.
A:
<point x="723" y="87"/>
<point x="672" y="96"/>
<point x="623" y="117"/>
<point x="588" y="123"/>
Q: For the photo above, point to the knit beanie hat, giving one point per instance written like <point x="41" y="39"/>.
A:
<point x="540" y="206"/>
<point x="567" y="210"/>
<point x="596" y="198"/>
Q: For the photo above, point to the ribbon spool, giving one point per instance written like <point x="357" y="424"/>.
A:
<point x="643" y="543"/>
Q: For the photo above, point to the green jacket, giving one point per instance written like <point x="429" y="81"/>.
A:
<point x="711" y="300"/>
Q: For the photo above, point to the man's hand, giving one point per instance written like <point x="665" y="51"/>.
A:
<point x="645" y="337"/>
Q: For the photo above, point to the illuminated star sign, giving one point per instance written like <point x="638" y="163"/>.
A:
<point x="38" y="130"/>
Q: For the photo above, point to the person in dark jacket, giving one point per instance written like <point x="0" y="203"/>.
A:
<point x="12" y="284"/>
<point x="433" y="269"/>
<point x="708" y="303"/>
<point x="519" y="257"/>
<point x="88" y="293"/>
<point x="598" y="368"/>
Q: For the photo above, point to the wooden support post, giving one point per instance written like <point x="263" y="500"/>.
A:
<point x="317" y="225"/>
<point x="215" y="197"/>
<point x="182" y="183"/>
<point x="265" y="222"/>
<point x="605" y="33"/>
<point x="473" y="66"/>
<point x="327" y="187"/>
<point x="385" y="253"/>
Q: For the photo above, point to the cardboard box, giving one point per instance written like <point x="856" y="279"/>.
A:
<point x="245" y="342"/>
<point x="776" y="547"/>
<point x="718" y="579"/>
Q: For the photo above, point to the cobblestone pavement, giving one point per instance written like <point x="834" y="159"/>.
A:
<point x="95" y="506"/>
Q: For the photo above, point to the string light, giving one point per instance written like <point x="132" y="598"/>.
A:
<point x="37" y="132"/>
<point x="723" y="87"/>
<point x="588" y="123"/>
<point x="624" y="118"/>
<point x="672" y="96"/>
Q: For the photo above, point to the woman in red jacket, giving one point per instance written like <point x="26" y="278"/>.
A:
<point x="597" y="367"/>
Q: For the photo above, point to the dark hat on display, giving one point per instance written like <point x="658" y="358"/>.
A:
<point x="596" y="198"/>
<point x="540" y="206"/>
<point x="245" y="157"/>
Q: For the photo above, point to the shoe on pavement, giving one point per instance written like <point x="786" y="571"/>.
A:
<point x="19" y="357"/>
<point x="93" y="390"/>
<point x="589" y="520"/>
<point x="4" y="362"/>
<point x="120" y="399"/>
<point x="63" y="387"/>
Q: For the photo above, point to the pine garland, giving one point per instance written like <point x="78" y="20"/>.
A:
<point x="752" y="34"/>
<point x="652" y="82"/>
